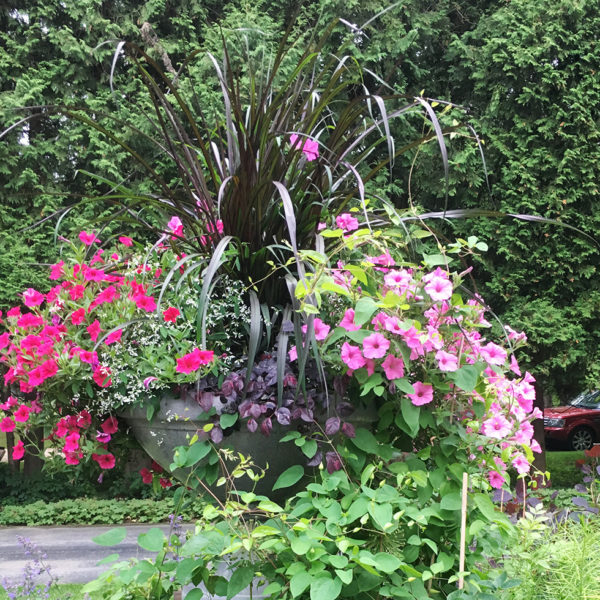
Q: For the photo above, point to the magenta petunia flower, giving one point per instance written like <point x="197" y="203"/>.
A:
<point x="7" y="425"/>
<point x="375" y="346"/>
<point x="423" y="393"/>
<point x="170" y="315"/>
<point x="126" y="241"/>
<point x="493" y="354"/>
<point x="310" y="148"/>
<point x="88" y="238"/>
<point x="113" y="337"/>
<point x="18" y="451"/>
<point x="321" y="329"/>
<point x="32" y="297"/>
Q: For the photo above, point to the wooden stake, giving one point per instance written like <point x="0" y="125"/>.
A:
<point x="463" y="531"/>
<point x="177" y="595"/>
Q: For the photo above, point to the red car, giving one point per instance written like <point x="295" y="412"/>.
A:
<point x="576" y="425"/>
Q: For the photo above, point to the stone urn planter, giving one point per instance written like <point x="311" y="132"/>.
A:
<point x="179" y="419"/>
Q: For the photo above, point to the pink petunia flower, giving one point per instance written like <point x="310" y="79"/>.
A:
<point x="88" y="238"/>
<point x="194" y="360"/>
<point x="310" y="148"/>
<point x="493" y="354"/>
<point x="32" y="297"/>
<point x="113" y="337"/>
<point x="78" y="317"/>
<point x="170" y="315"/>
<point x="57" y="271"/>
<point x="94" y="330"/>
<point x="146" y="303"/>
<point x="346" y="222"/>
<point x="7" y="425"/>
<point x="393" y="367"/>
<point x="439" y="288"/>
<point x="106" y="461"/>
<point x="126" y="241"/>
<point x="175" y="226"/>
<point x="423" y="393"/>
<point x="102" y="376"/>
<point x="321" y="329"/>
<point x="18" y="451"/>
<point x="375" y="346"/>
<point x="498" y="427"/>
<point x="496" y="479"/>
<point x="352" y="356"/>
<point x="446" y="361"/>
<point x="520" y="463"/>
<point x="347" y="321"/>
<point x="21" y="415"/>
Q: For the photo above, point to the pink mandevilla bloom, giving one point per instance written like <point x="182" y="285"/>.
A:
<point x="375" y="346"/>
<point x="352" y="356"/>
<point x="423" y="393"/>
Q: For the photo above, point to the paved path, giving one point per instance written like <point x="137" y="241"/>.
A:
<point x="72" y="555"/>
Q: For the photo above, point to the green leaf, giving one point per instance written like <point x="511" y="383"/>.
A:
<point x="300" y="545"/>
<point x="299" y="582"/>
<point x="226" y="420"/>
<point x="363" y="310"/>
<point x="365" y="441"/>
<point x="324" y="588"/>
<point x="195" y="594"/>
<point x="388" y="563"/>
<point x="310" y="448"/>
<point x="410" y="413"/>
<point x="289" y="477"/>
<point x="110" y="558"/>
<point x="466" y="377"/>
<point x="345" y="575"/>
<point x="152" y="540"/>
<point x="451" y="501"/>
<point x="404" y="385"/>
<point x="239" y="580"/>
<point x="110" y="538"/>
<point x="382" y="514"/>
<point x="196" y="453"/>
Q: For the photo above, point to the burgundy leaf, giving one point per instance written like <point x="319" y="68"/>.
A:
<point x="283" y="416"/>
<point x="348" y="430"/>
<point x="216" y="434"/>
<point x="252" y="425"/>
<point x="266" y="426"/>
<point x="332" y="426"/>
<point x="333" y="462"/>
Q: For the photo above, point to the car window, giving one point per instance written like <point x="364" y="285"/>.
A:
<point x="587" y="400"/>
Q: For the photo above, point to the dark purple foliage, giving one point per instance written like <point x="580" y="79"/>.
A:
<point x="333" y="462"/>
<point x="348" y="430"/>
<point x="332" y="426"/>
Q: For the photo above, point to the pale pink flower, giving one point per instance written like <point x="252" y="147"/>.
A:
<point x="520" y="463"/>
<point x="398" y="279"/>
<point x="498" y="427"/>
<point x="423" y="393"/>
<point x="375" y="346"/>
<point x="293" y="354"/>
<point x="446" y="361"/>
<point x="393" y="367"/>
<point x="392" y="324"/>
<point x="439" y="288"/>
<point x="514" y="365"/>
<point x="493" y="354"/>
<point x="352" y="356"/>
